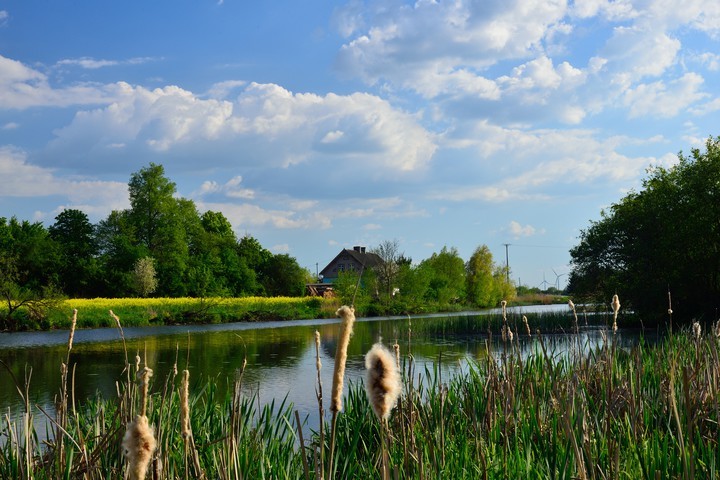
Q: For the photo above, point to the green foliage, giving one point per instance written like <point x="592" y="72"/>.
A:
<point x="663" y="238"/>
<point x="144" y="276"/>
<point x="447" y="276"/>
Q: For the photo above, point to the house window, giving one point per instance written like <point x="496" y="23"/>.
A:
<point x="341" y="267"/>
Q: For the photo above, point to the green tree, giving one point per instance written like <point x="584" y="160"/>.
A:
<point x="75" y="236"/>
<point x="284" y="276"/>
<point x="665" y="237"/>
<point x="447" y="276"/>
<point x="480" y="286"/>
<point x="144" y="276"/>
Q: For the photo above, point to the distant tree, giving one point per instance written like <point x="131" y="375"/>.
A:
<point x="664" y="237"/>
<point x="118" y="252"/>
<point x="75" y="236"/>
<point x="144" y="276"/>
<point x="447" y="276"/>
<point x="389" y="266"/>
<point x="480" y="286"/>
<point x="284" y="276"/>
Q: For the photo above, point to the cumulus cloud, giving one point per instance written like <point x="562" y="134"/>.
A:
<point x="87" y="194"/>
<point x="265" y="122"/>
<point x="664" y="99"/>
<point x="517" y="230"/>
<point x="23" y="87"/>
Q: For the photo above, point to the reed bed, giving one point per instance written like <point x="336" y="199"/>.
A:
<point x="590" y="413"/>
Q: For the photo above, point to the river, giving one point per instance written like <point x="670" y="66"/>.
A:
<point x="280" y="355"/>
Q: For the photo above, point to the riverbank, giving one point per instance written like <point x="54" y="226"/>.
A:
<point x="602" y="412"/>
<point x="140" y="312"/>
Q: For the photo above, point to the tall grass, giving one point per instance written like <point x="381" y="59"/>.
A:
<point x="592" y="413"/>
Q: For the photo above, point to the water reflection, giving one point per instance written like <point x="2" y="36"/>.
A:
<point x="280" y="357"/>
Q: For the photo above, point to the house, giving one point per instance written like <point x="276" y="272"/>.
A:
<point x="355" y="260"/>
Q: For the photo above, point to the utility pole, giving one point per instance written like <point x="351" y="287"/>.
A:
<point x="317" y="274"/>
<point x="507" y="262"/>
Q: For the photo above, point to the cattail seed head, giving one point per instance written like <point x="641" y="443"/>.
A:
<point x="72" y="330"/>
<point x="510" y="334"/>
<point x="138" y="445"/>
<point x="396" y="348"/>
<point x="347" y="314"/>
<point x="697" y="330"/>
<point x="571" y="305"/>
<point x="318" y="363"/>
<point x="615" y="304"/>
<point x="185" y="405"/>
<point x="382" y="382"/>
<point x="527" y="325"/>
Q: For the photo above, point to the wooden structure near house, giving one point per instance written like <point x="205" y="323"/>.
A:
<point x="347" y="260"/>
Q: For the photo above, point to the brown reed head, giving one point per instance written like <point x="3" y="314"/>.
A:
<point x="382" y="381"/>
<point x="138" y="446"/>
<point x="347" y="314"/>
<point x="185" y="405"/>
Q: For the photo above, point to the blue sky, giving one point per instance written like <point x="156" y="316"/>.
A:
<point x="315" y="126"/>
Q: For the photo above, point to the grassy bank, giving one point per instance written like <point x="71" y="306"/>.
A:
<point x="650" y="412"/>
<point x="173" y="311"/>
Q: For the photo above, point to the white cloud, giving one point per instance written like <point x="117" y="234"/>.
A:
<point x="28" y="181"/>
<point x="664" y="99"/>
<point x="246" y="215"/>
<point x="517" y="230"/>
<point x="265" y="121"/>
<point x="10" y="126"/>
<point x="94" y="64"/>
<point x="280" y="248"/>
<point x="4" y="15"/>
<point x="23" y="87"/>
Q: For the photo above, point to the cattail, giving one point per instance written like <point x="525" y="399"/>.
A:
<point x="615" y="304"/>
<point x="503" y="304"/>
<point x="396" y="348"/>
<point x="72" y="330"/>
<point x="697" y="330"/>
<point x="138" y="445"/>
<point x="510" y="334"/>
<point x="382" y="380"/>
<point x="527" y="325"/>
<point x="318" y="364"/>
<point x="572" y="307"/>
<point x="347" y="314"/>
<point x="185" y="405"/>
<point x="503" y="333"/>
<point x="144" y="377"/>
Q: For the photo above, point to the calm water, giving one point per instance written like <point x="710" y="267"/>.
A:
<point x="280" y="355"/>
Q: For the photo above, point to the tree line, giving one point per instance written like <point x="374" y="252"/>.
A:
<point x="161" y="245"/>
<point x="444" y="281"/>
<point x="659" y="248"/>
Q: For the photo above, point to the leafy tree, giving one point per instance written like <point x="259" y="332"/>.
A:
<point x="447" y="276"/>
<point x="665" y="237"/>
<point x="144" y="276"/>
<point x="75" y="236"/>
<point x="480" y="287"/>
<point x="284" y="276"/>
<point x="118" y="251"/>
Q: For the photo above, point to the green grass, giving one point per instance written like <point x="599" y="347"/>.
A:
<point x="648" y="412"/>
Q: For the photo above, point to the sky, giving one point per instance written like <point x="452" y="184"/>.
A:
<point x="320" y="125"/>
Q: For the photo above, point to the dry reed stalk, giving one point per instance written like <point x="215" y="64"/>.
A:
<point x="697" y="330"/>
<point x="572" y="307"/>
<point x="615" y="304"/>
<point x="347" y="314"/>
<point x="185" y="429"/>
<point x="321" y="410"/>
